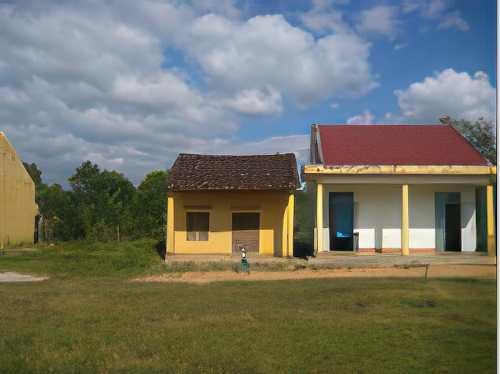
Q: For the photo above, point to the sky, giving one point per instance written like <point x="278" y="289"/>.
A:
<point x="130" y="84"/>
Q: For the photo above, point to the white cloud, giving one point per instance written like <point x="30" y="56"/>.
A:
<point x="131" y="84"/>
<point x="437" y="10"/>
<point x="256" y="102"/>
<point x="264" y="50"/>
<point x="400" y="46"/>
<point x="448" y="93"/>
<point x="454" y="20"/>
<point x="298" y="144"/>
<point x="161" y="89"/>
<point x="82" y="84"/>
<point x="380" y="20"/>
<point x="324" y="18"/>
<point x="361" y="119"/>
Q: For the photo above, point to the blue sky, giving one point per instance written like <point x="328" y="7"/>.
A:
<point x="130" y="84"/>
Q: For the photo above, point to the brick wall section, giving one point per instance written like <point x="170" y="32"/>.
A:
<point x="247" y="238"/>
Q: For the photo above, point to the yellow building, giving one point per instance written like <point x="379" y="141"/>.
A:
<point x="221" y="204"/>
<point x="17" y="198"/>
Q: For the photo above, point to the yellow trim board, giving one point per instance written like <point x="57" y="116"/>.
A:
<point x="400" y="169"/>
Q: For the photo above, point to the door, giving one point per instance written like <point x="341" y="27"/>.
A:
<point x="453" y="229"/>
<point x="246" y="232"/>
<point x="448" y="221"/>
<point x="341" y="219"/>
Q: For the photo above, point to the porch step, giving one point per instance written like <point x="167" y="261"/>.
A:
<point x="335" y="253"/>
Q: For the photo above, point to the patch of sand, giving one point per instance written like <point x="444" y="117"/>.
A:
<point x="16" y="277"/>
<point x="434" y="271"/>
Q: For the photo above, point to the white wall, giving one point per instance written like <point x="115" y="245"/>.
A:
<point x="422" y="215"/>
<point x="377" y="214"/>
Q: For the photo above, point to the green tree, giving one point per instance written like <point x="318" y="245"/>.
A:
<point x="149" y="206"/>
<point x="101" y="198"/>
<point x="35" y="173"/>
<point x="85" y="182"/>
<point x="59" y="212"/>
<point x="480" y="134"/>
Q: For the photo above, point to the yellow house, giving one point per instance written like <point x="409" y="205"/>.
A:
<point x="221" y="204"/>
<point x="17" y="198"/>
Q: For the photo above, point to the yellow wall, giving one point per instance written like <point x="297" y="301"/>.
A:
<point x="17" y="198"/>
<point x="221" y="204"/>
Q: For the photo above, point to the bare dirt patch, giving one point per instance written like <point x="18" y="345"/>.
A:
<point x="434" y="271"/>
<point x="16" y="277"/>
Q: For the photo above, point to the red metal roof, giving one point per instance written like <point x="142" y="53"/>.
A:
<point x="396" y="145"/>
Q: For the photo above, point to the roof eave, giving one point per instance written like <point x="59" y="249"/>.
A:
<point x="401" y="169"/>
<point x="230" y="189"/>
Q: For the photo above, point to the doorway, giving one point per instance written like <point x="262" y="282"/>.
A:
<point x="341" y="219"/>
<point x="246" y="232"/>
<point x="448" y="222"/>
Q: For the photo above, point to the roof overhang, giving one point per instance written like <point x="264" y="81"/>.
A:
<point x="400" y="169"/>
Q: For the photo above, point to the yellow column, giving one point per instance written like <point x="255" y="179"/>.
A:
<point x="319" y="218"/>
<point x="170" y="225"/>
<point x="291" y="205"/>
<point x="491" y="221"/>
<point x="405" y="223"/>
<point x="284" y="236"/>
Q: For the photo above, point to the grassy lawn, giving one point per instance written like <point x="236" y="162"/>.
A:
<point x="91" y="321"/>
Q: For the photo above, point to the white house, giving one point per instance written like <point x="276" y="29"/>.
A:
<point x="400" y="188"/>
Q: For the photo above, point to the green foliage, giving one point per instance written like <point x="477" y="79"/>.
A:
<point x="104" y="206"/>
<point x="35" y="173"/>
<point x="148" y="208"/>
<point x="101" y="198"/>
<point x="304" y="215"/>
<point x="60" y="213"/>
<point x="85" y="181"/>
<point x="480" y="134"/>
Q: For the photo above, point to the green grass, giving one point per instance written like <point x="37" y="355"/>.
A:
<point x="89" y="318"/>
<point x="111" y="325"/>
<point x="84" y="258"/>
<point x="125" y="259"/>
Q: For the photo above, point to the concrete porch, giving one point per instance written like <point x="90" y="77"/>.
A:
<point x="370" y="259"/>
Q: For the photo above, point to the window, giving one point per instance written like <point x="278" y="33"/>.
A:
<point x="197" y="226"/>
<point x="246" y="221"/>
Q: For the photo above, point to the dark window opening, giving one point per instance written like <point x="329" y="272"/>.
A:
<point x="197" y="224"/>
<point x="246" y="221"/>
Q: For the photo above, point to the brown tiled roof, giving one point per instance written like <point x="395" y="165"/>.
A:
<point x="256" y="172"/>
<point x="396" y="145"/>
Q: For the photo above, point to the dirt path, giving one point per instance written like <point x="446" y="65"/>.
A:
<point x="434" y="271"/>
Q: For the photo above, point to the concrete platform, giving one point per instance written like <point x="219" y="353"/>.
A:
<point x="392" y="259"/>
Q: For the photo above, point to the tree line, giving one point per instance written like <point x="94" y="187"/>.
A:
<point x="102" y="205"/>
